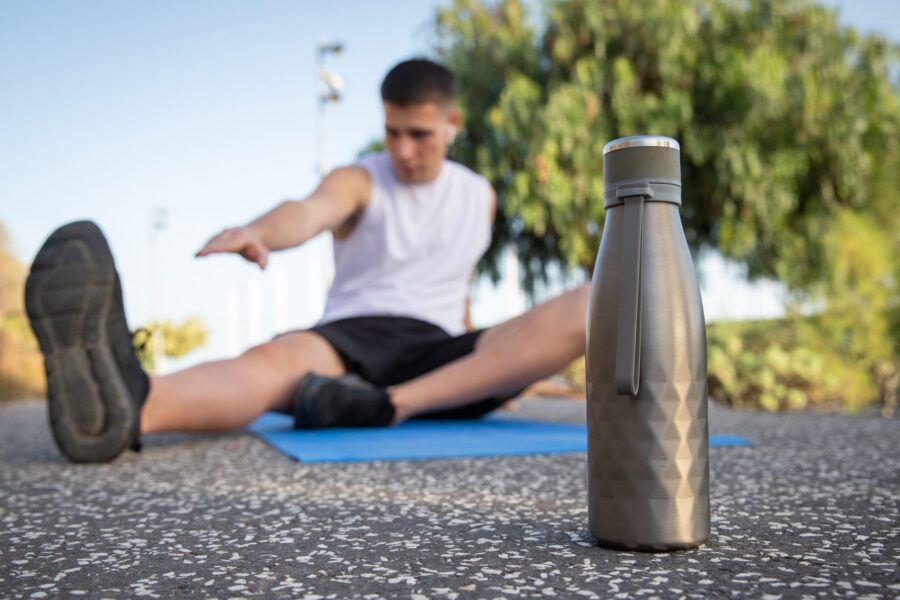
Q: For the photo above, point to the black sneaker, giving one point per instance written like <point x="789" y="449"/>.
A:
<point x="323" y="402"/>
<point x="95" y="383"/>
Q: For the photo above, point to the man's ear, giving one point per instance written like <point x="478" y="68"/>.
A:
<point x="454" y="117"/>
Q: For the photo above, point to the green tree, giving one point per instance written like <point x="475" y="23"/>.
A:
<point x="789" y="125"/>
<point x="783" y="114"/>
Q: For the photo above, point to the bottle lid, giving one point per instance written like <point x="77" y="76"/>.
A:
<point x="647" y="164"/>
<point x="636" y="141"/>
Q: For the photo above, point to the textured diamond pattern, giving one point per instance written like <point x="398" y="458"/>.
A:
<point x="648" y="455"/>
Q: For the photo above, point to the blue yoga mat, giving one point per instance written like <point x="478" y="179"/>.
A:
<point x="422" y="440"/>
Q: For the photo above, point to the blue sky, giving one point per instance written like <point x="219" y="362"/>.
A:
<point x="110" y="110"/>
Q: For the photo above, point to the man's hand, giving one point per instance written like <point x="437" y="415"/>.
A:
<point x="341" y="195"/>
<point x="241" y="240"/>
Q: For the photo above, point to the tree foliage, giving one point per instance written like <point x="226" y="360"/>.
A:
<point x="21" y="366"/>
<point x="784" y="117"/>
<point x="789" y="126"/>
<point x="12" y="279"/>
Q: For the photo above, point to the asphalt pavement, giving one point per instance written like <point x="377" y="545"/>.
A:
<point x="811" y="510"/>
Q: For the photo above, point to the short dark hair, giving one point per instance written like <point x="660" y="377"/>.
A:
<point x="418" y="81"/>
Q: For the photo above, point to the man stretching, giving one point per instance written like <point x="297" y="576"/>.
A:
<point x="409" y="228"/>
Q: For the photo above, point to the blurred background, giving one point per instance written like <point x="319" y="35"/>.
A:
<point x="167" y="121"/>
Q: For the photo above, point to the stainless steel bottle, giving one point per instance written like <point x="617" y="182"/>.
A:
<point x="648" y="440"/>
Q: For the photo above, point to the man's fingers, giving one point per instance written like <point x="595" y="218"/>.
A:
<point x="209" y="247"/>
<point x="227" y="241"/>
<point x="239" y="241"/>
<point x="205" y="250"/>
<point x="260" y="255"/>
<point x="256" y="252"/>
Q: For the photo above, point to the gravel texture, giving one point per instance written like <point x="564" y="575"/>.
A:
<point x="812" y="510"/>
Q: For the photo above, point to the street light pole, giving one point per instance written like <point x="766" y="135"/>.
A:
<point x="329" y="86"/>
<point x="157" y="337"/>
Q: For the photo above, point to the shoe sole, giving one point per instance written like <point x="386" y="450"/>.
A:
<point x="70" y="292"/>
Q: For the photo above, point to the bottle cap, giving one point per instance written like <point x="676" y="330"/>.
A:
<point x="642" y="165"/>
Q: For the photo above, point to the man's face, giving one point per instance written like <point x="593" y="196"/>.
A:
<point x="417" y="137"/>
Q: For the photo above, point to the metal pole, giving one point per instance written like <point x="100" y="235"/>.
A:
<point x="320" y="109"/>
<point x="328" y="87"/>
<point x="157" y="339"/>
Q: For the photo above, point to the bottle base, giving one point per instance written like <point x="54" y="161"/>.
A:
<point x="637" y="547"/>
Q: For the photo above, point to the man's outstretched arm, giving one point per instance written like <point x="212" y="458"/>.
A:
<point x="341" y="195"/>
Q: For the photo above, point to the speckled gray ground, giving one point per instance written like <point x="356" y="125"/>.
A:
<point x="813" y="510"/>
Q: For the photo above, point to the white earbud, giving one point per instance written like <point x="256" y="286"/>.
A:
<point x="451" y="133"/>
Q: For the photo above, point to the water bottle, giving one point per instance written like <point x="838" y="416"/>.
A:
<point x="648" y="440"/>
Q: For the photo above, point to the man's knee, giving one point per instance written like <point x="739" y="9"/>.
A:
<point x="575" y="309"/>
<point x="271" y="354"/>
<point x="581" y="294"/>
<point x="298" y="353"/>
<point x="564" y="315"/>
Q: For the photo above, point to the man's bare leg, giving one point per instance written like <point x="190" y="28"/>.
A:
<point x="229" y="394"/>
<point x="507" y="358"/>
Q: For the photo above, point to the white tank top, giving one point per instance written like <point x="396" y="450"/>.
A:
<point x="414" y="249"/>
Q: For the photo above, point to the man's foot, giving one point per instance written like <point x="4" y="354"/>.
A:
<point x="322" y="402"/>
<point x="95" y="384"/>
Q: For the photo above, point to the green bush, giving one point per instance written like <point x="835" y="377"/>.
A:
<point x="784" y="364"/>
<point x="21" y="365"/>
<point x="846" y="355"/>
<point x="173" y="340"/>
<point x="789" y="364"/>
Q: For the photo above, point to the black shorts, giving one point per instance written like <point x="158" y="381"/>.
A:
<point x="387" y="351"/>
